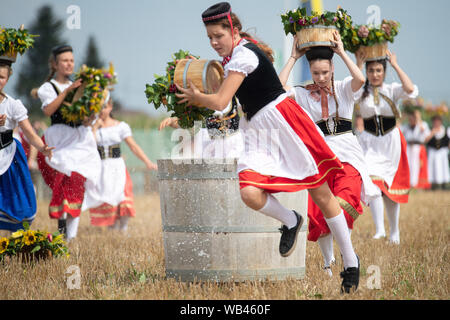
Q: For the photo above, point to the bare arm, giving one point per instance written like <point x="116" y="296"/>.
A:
<point x="136" y="149"/>
<point x="357" y="75"/>
<point x="55" y="104"/>
<point x="34" y="139"/>
<point x="408" y="85"/>
<point x="216" y="101"/>
<point x="295" y="55"/>
<point x="169" y="122"/>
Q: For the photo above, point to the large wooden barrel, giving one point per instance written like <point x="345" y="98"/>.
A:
<point x="375" y="52"/>
<point x="210" y="235"/>
<point x="207" y="75"/>
<point x="313" y="36"/>
<point x="9" y="56"/>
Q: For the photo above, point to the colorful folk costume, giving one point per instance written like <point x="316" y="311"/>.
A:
<point x="417" y="155"/>
<point x="385" y="152"/>
<point x="75" y="158"/>
<point x="438" y="163"/>
<point x="17" y="196"/>
<point x="332" y="112"/>
<point x="110" y="203"/>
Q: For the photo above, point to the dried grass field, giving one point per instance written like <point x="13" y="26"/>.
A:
<point x="114" y="266"/>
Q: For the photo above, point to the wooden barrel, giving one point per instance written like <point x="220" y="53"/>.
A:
<point x="313" y="36"/>
<point x="207" y="75"/>
<point x="9" y="56"/>
<point x="209" y="234"/>
<point x="375" y="52"/>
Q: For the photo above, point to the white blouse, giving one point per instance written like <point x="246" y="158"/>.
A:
<point x="15" y="112"/>
<point x="108" y="136"/>
<point x="47" y="94"/>
<point x="393" y="91"/>
<point x="242" y="60"/>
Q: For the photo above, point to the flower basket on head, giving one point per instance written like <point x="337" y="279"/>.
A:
<point x="372" y="40"/>
<point x="315" y="29"/>
<point x="14" y="41"/>
<point x="33" y="245"/>
<point x="207" y="76"/>
<point x="88" y="99"/>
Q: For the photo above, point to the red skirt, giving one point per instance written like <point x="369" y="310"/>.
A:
<point x="346" y="187"/>
<point x="106" y="214"/>
<point x="326" y="161"/>
<point x="399" y="190"/>
<point x="67" y="192"/>
<point x="423" y="182"/>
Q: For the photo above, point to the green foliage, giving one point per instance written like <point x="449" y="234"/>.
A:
<point x="364" y="35"/>
<point x="293" y="21"/>
<point x="162" y="92"/>
<point x="13" y="41"/>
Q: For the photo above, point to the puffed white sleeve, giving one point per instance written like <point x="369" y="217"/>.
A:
<point x="46" y="94"/>
<point x="243" y="60"/>
<point x="125" y="131"/>
<point x="19" y="111"/>
<point x="399" y="93"/>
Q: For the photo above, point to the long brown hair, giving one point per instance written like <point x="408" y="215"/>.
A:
<point x="237" y="24"/>
<point x="366" y="85"/>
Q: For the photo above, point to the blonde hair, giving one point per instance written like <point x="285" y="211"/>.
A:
<point x="10" y="71"/>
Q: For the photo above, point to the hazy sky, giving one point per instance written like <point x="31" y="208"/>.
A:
<point x="139" y="36"/>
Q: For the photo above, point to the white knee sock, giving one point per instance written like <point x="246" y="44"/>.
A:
<point x="273" y="208"/>
<point x="339" y="229"/>
<point x="72" y="226"/>
<point x="326" y="246"/>
<point x="393" y="214"/>
<point x="377" y="209"/>
<point x="124" y="223"/>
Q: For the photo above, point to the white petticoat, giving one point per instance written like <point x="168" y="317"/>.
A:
<point x="110" y="189"/>
<point x="272" y="147"/>
<point x="75" y="151"/>
<point x="438" y="170"/>
<point x="382" y="154"/>
<point x="7" y="156"/>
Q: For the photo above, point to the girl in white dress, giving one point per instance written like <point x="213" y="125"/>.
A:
<point x="383" y="143"/>
<point x="330" y="105"/>
<point x="437" y="146"/>
<point x="17" y="196"/>
<point x="283" y="151"/>
<point x="76" y="160"/>
<point x="110" y="203"/>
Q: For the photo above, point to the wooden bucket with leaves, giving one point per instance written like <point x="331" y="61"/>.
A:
<point x="314" y="36"/>
<point x="206" y="75"/>
<point x="375" y="52"/>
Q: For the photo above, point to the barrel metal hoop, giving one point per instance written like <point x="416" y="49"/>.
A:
<point x="315" y="44"/>
<point x="227" y="275"/>
<point x="186" y="68"/>
<point x="225" y="229"/>
<point x="197" y="176"/>
<point x="205" y="70"/>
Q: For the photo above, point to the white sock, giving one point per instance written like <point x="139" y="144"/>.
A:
<point x="377" y="209"/>
<point x="124" y="223"/>
<point x="72" y="226"/>
<point x="273" y="208"/>
<point x="393" y="214"/>
<point x="339" y="229"/>
<point x="326" y="246"/>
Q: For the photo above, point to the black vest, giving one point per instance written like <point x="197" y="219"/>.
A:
<point x="260" y="87"/>
<point x="57" y="118"/>
<point x="439" y="143"/>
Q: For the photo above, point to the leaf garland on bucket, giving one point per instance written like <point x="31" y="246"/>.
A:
<point x="163" y="89"/>
<point x="89" y="97"/>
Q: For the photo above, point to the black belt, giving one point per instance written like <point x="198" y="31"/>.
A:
<point x="6" y="138"/>
<point x="343" y="126"/>
<point x="113" y="151"/>
<point x="379" y="125"/>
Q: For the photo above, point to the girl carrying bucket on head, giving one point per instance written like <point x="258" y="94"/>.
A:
<point x="330" y="105"/>
<point x="383" y="143"/>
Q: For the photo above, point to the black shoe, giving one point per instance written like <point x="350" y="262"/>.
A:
<point x="350" y="278"/>
<point x="289" y="236"/>
<point x="62" y="228"/>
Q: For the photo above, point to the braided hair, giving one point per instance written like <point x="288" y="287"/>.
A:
<point x="367" y="84"/>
